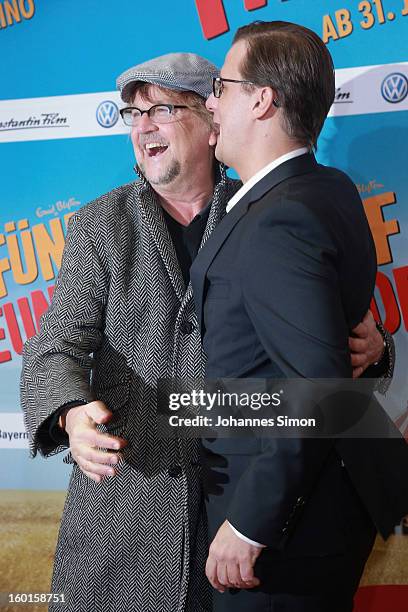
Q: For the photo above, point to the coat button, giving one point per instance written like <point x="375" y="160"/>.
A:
<point x="186" y="327"/>
<point x="175" y="471"/>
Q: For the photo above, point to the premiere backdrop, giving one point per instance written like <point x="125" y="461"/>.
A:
<point x="63" y="144"/>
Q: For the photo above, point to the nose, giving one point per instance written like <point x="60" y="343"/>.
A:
<point x="145" y="124"/>
<point x="211" y="103"/>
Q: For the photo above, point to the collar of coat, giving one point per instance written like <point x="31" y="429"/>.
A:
<point x="152" y="215"/>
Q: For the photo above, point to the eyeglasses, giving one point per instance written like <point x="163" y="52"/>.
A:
<point x="218" y="87"/>
<point x="159" y="113"/>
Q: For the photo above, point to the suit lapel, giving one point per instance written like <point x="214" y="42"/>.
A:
<point x="217" y="211"/>
<point x="205" y="256"/>
<point x="299" y="165"/>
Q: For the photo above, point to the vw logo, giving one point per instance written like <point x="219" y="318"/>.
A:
<point x="394" y="87"/>
<point x="107" y="114"/>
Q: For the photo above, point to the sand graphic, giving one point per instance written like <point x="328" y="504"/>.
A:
<point x="29" y="522"/>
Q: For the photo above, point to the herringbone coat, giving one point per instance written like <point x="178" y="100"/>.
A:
<point x="117" y="322"/>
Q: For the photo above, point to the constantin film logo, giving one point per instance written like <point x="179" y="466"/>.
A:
<point x="342" y="96"/>
<point x="394" y="87"/>
<point x="44" y="120"/>
<point x="107" y="114"/>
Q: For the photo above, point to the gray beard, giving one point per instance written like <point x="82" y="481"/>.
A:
<point x="167" y="177"/>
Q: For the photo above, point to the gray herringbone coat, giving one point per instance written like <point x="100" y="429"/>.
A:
<point x="135" y="542"/>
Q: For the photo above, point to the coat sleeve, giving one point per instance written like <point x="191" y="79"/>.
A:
<point x="292" y="296"/>
<point x="57" y="362"/>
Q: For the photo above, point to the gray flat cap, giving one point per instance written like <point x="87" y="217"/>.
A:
<point x="180" y="71"/>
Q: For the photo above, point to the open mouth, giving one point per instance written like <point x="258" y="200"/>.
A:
<point x="155" y="149"/>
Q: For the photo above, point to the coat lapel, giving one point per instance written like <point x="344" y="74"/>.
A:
<point x="154" y="219"/>
<point x="299" y="165"/>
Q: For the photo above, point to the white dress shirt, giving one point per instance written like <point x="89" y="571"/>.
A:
<point x="263" y="172"/>
<point x="234" y="200"/>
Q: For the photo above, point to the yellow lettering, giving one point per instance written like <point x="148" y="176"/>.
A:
<point x="12" y="13"/>
<point x="380" y="228"/>
<point x="3" y="23"/>
<point x="380" y="11"/>
<point x="4" y="267"/>
<point x="366" y="8"/>
<point x="329" y="30"/>
<point x="21" y="277"/>
<point x="49" y="247"/>
<point x="344" y="25"/>
<point x="27" y="13"/>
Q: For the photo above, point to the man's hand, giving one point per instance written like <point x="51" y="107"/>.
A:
<point x="231" y="561"/>
<point x="367" y="347"/>
<point x="85" y="440"/>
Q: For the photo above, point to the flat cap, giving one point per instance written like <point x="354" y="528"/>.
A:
<point x="179" y="71"/>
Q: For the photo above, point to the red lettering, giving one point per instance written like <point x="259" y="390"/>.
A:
<point x="251" y="5"/>
<point x="392" y="314"/>
<point x="28" y="323"/>
<point x="50" y="290"/>
<point x="401" y="283"/>
<point x="40" y="305"/>
<point x="212" y="17"/>
<point x="4" y="355"/>
<point x="13" y="328"/>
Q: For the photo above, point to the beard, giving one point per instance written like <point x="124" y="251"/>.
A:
<point x="168" y="175"/>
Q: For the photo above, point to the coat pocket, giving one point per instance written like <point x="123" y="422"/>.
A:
<point x="116" y="398"/>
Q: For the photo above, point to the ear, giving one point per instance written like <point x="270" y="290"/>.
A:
<point x="212" y="139"/>
<point x="264" y="107"/>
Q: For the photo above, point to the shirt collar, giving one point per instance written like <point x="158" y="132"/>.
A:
<point x="263" y="172"/>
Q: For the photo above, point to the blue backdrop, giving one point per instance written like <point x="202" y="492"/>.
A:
<point x="58" y="48"/>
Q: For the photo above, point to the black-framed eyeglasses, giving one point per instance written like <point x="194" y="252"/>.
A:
<point x="158" y="113"/>
<point x="218" y="87"/>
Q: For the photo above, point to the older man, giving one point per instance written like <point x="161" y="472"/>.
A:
<point x="121" y="317"/>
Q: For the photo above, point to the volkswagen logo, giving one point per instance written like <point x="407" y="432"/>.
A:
<point x="107" y="114"/>
<point x="394" y="87"/>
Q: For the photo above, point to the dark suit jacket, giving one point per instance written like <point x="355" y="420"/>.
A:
<point x="285" y="277"/>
